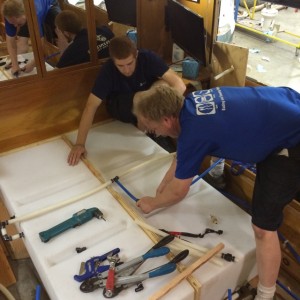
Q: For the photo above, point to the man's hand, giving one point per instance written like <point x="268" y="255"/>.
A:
<point x="29" y="67"/>
<point x="62" y="42"/>
<point x="15" y="71"/>
<point x="74" y="156"/>
<point x="146" y="204"/>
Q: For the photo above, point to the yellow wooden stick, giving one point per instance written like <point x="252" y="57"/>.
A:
<point x="164" y="290"/>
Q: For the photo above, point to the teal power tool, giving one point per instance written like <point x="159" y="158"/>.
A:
<point x="77" y="219"/>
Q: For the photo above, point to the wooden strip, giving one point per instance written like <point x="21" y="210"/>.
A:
<point x="7" y="276"/>
<point x="134" y="214"/>
<point x="176" y="280"/>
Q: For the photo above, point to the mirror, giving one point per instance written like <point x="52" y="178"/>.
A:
<point x="71" y="46"/>
<point x="51" y="49"/>
<point x="17" y="39"/>
<point x="78" y="41"/>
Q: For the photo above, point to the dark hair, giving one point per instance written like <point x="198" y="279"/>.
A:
<point x="69" y="21"/>
<point x="121" y="47"/>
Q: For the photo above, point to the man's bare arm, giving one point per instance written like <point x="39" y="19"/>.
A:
<point x="12" y="50"/>
<point x="173" y="192"/>
<point x="174" y="81"/>
<point x="86" y="122"/>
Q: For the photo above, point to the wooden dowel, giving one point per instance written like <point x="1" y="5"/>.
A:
<point x="217" y="77"/>
<point x="83" y="195"/>
<point x="188" y="271"/>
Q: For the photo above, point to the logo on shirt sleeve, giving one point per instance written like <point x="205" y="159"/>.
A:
<point x="205" y="104"/>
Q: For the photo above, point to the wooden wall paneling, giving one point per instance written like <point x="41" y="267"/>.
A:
<point x="7" y="276"/>
<point x="91" y="30"/>
<point x="79" y="11"/>
<point x="151" y="27"/>
<point x="2" y="25"/>
<point x="46" y="107"/>
<point x="101" y="16"/>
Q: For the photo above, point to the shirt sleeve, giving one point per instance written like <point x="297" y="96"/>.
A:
<point x="103" y="83"/>
<point x="158" y="66"/>
<point x="10" y="29"/>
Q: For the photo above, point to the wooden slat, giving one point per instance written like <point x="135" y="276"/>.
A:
<point x="43" y="108"/>
<point x="188" y="271"/>
<point x="7" y="276"/>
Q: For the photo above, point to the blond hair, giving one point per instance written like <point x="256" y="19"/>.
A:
<point x="13" y="8"/>
<point x="158" y="102"/>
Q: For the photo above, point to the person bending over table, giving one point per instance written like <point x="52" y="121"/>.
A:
<point x="127" y="72"/>
<point x="250" y="124"/>
<point x="17" y="34"/>
<point x="73" y="41"/>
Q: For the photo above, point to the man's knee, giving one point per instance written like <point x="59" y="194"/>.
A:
<point x="261" y="233"/>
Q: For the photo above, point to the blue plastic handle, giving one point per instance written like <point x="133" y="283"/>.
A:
<point x="163" y="270"/>
<point x="156" y="252"/>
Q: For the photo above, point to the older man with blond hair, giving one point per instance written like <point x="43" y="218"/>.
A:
<point x="17" y="33"/>
<point x="216" y="122"/>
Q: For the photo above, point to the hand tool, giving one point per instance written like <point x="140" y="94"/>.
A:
<point x="99" y="281"/>
<point x="159" y="271"/>
<point x="93" y="266"/>
<point x="77" y="219"/>
<point x="110" y="281"/>
<point x="123" y="280"/>
<point x="194" y="235"/>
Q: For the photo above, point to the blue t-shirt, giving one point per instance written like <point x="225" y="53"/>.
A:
<point x="42" y="7"/>
<point x="244" y="124"/>
<point x="110" y="82"/>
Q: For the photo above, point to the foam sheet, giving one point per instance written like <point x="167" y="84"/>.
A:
<point x="39" y="176"/>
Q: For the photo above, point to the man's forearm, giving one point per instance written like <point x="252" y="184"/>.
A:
<point x="84" y="127"/>
<point x="87" y="120"/>
<point x="12" y="51"/>
<point x="173" y="192"/>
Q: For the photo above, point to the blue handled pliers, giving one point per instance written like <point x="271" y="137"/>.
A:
<point x="124" y="277"/>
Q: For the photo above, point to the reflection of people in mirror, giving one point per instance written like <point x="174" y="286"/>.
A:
<point x="73" y="40"/>
<point x="127" y="72"/>
<point x="17" y="33"/>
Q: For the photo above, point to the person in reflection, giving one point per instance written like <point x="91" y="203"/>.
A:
<point x="73" y="41"/>
<point x="17" y="33"/>
<point x="127" y="72"/>
<point x="250" y="124"/>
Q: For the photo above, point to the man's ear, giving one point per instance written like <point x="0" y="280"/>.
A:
<point x="167" y="121"/>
